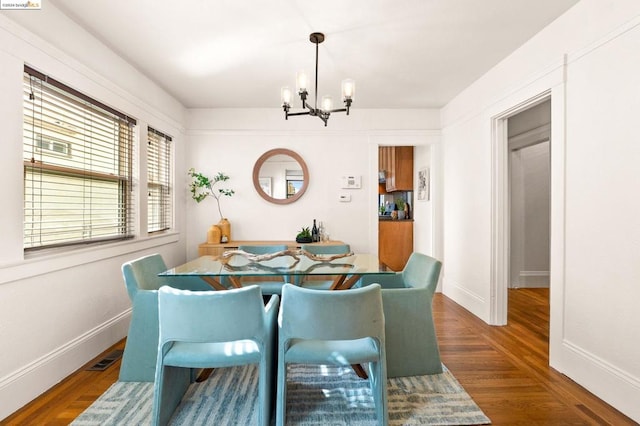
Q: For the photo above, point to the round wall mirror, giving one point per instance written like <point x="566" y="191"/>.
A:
<point x="280" y="176"/>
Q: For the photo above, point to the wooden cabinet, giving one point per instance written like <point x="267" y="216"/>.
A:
<point x="395" y="243"/>
<point x="207" y="249"/>
<point x="397" y="163"/>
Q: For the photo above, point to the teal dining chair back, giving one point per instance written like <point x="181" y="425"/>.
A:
<point x="267" y="287"/>
<point x="412" y="344"/>
<point x="213" y="329"/>
<point x="320" y="249"/>
<point x="142" y="282"/>
<point x="326" y="248"/>
<point x="422" y="271"/>
<point x="332" y="327"/>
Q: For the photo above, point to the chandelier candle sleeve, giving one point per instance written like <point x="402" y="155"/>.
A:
<point x="285" y="95"/>
<point x="327" y="103"/>
<point x="348" y="89"/>
<point x="302" y="81"/>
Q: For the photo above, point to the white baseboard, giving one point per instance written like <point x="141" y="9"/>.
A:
<point x="24" y="385"/>
<point x="471" y="301"/>
<point x="532" y="279"/>
<point x="609" y="383"/>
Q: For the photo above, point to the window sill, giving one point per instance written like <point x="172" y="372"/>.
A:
<point x="47" y="261"/>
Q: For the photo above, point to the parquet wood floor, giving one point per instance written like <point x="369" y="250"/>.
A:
<point x="505" y="370"/>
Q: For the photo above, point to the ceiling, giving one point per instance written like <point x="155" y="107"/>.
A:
<point x="232" y="54"/>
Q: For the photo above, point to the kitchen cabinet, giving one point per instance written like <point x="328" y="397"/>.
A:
<point x="395" y="243"/>
<point x="397" y="164"/>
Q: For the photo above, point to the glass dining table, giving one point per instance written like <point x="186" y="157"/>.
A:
<point x="346" y="270"/>
<point x="234" y="265"/>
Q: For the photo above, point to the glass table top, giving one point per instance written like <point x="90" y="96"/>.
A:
<point x="238" y="265"/>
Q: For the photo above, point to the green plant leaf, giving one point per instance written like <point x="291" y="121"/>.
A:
<point x="202" y="186"/>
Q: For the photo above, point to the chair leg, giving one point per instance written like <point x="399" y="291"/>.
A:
<point x="140" y="352"/>
<point x="157" y="396"/>
<point x="265" y="386"/>
<point x="170" y="386"/>
<point x="281" y="398"/>
<point x="379" y="391"/>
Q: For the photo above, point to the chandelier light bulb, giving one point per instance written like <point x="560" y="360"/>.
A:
<point x="285" y="96"/>
<point x="327" y="103"/>
<point x="348" y="88"/>
<point x="302" y="81"/>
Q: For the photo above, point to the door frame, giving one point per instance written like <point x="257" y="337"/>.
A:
<point x="554" y="87"/>
<point x="500" y="207"/>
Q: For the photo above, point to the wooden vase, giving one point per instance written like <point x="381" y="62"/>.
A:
<point x="213" y="234"/>
<point x="225" y="228"/>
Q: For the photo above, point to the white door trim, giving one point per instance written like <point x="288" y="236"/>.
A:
<point x="500" y="208"/>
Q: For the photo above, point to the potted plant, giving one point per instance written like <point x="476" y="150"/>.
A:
<point x="400" y="203"/>
<point x="203" y="186"/>
<point x="304" y="236"/>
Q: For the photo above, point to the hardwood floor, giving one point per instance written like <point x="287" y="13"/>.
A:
<point x="504" y="369"/>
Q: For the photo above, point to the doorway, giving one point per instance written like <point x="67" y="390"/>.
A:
<point x="529" y="129"/>
<point x="529" y="134"/>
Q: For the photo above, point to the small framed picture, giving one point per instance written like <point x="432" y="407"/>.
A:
<point x="423" y="184"/>
<point x="265" y="184"/>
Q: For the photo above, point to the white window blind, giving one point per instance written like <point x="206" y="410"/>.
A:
<point x="77" y="167"/>
<point x="158" y="181"/>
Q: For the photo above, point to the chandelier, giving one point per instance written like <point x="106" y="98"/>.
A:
<point x="302" y="81"/>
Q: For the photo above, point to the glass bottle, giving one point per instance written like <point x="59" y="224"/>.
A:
<point x="315" y="237"/>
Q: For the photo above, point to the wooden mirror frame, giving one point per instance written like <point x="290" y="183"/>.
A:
<point x="256" y="175"/>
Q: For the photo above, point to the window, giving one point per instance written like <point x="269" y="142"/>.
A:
<point x="295" y="181"/>
<point x="158" y="180"/>
<point x="53" y="147"/>
<point x="77" y="167"/>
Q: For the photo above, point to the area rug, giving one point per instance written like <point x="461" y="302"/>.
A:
<point x="316" y="395"/>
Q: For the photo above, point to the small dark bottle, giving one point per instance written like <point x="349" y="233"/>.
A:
<point x="315" y="235"/>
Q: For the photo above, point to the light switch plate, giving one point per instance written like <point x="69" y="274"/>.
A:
<point x="344" y="198"/>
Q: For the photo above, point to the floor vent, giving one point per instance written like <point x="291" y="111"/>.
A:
<point x="105" y="362"/>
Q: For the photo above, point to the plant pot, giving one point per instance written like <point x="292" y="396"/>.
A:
<point x="225" y="228"/>
<point x="303" y="240"/>
<point x="214" y="234"/>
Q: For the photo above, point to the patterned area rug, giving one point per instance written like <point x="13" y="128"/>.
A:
<point x="316" y="395"/>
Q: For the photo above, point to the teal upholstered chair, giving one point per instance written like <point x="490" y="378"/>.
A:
<point x="213" y="329"/>
<point x="142" y="282"/>
<point x="310" y="282"/>
<point x="412" y="345"/>
<point x="267" y="287"/>
<point x="332" y="328"/>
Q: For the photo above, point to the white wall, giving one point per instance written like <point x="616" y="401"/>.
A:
<point x="231" y="140"/>
<point x="423" y="240"/>
<point x="588" y="60"/>
<point x="61" y="309"/>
